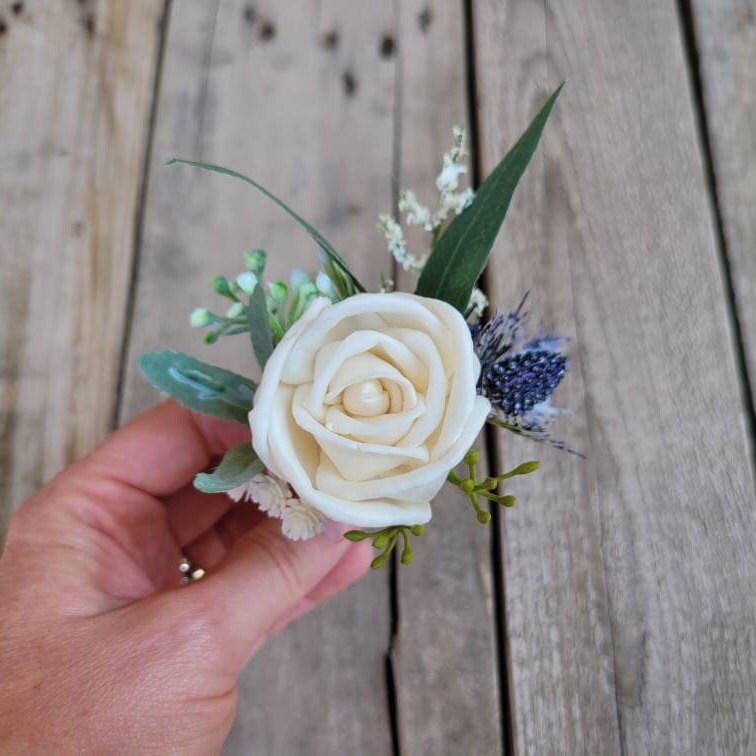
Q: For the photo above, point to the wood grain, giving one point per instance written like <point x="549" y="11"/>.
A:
<point x="75" y="96"/>
<point x="444" y="650"/>
<point x="298" y="96"/>
<point x="627" y="577"/>
<point x="725" y="34"/>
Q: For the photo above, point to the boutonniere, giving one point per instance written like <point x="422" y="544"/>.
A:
<point x="370" y="402"/>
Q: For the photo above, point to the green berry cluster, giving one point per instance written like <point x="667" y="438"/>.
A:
<point x="285" y="302"/>
<point x="475" y="489"/>
<point x="386" y="540"/>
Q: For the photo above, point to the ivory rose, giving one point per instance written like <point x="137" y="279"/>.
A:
<point x="365" y="405"/>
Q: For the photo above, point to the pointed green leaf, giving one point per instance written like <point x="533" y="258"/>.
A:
<point x="461" y="254"/>
<point x="259" y="326"/>
<point x="324" y="244"/>
<point x="199" y="386"/>
<point x="342" y="281"/>
<point x="238" y="466"/>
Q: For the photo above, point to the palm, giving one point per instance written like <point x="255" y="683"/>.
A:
<point x="130" y="543"/>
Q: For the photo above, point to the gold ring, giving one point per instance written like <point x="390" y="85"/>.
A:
<point x="190" y="572"/>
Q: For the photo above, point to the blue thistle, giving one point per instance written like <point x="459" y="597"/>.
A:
<point x="517" y="384"/>
<point x="519" y="375"/>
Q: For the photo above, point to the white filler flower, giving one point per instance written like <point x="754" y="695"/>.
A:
<point x="301" y="521"/>
<point x="365" y="405"/>
<point x="269" y="493"/>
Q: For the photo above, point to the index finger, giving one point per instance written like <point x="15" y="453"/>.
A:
<point x="161" y="450"/>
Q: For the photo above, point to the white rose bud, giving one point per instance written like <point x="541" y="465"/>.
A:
<point x="365" y="405"/>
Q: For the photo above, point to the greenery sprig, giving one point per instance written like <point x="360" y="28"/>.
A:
<point x="475" y="489"/>
<point x="274" y="309"/>
<point x="386" y="540"/>
<point x="265" y="310"/>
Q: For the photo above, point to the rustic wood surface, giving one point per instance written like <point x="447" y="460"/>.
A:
<point x="436" y="646"/>
<point x="623" y="584"/>
<point x="75" y="97"/>
<point x="235" y="85"/>
<point x="725" y="43"/>
<point x="627" y="577"/>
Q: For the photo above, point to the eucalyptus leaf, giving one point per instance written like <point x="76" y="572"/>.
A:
<point x="324" y="244"/>
<point x="462" y="252"/>
<point x="238" y="466"/>
<point x="199" y="386"/>
<point x="259" y="326"/>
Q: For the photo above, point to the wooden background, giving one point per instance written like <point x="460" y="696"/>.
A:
<point x="613" y="611"/>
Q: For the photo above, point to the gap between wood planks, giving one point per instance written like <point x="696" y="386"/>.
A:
<point x="139" y="215"/>
<point x="691" y="50"/>
<point x="496" y="556"/>
<point x="392" y="696"/>
<point x="490" y="440"/>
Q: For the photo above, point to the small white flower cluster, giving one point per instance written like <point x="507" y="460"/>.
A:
<point x="447" y="183"/>
<point x="274" y="496"/>
<point x="450" y="200"/>
<point x="398" y="246"/>
<point x="478" y="302"/>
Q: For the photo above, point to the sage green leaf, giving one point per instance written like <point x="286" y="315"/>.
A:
<point x="199" y="386"/>
<point x="324" y="244"/>
<point x="238" y="466"/>
<point x="259" y="326"/>
<point x="462" y="252"/>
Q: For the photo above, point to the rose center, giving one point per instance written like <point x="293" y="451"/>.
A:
<point x="366" y="399"/>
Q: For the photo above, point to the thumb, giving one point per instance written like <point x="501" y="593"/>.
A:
<point x="263" y="578"/>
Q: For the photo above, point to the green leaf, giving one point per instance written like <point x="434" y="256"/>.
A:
<point x="259" y="326"/>
<point x="341" y="278"/>
<point x="238" y="466"/>
<point x="198" y="386"/>
<point x="324" y="244"/>
<point x="461" y="254"/>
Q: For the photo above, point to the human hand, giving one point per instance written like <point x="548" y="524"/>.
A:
<point x="101" y="650"/>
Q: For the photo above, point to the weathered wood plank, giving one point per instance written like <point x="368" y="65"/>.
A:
<point x="726" y="44"/>
<point x="444" y="650"/>
<point x="627" y="576"/>
<point x="298" y="96"/>
<point x="75" y="97"/>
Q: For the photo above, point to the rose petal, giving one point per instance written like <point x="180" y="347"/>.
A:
<point x="259" y="416"/>
<point x="422" y="345"/>
<point x="420" y="484"/>
<point x="378" y="513"/>
<point x="355" y="460"/>
<point x="385" y="429"/>
<point x="332" y="356"/>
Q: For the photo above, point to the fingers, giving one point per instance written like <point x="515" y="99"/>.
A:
<point x="214" y="545"/>
<point x="161" y="450"/>
<point x="352" y="566"/>
<point x="190" y="513"/>
<point x="264" y="579"/>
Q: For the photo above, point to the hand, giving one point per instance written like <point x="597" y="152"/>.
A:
<point x="101" y="648"/>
